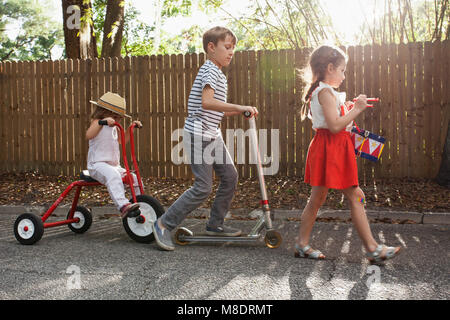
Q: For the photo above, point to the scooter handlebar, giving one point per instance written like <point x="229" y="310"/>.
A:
<point x="247" y="114"/>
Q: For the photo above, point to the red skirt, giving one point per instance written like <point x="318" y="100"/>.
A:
<point x="331" y="160"/>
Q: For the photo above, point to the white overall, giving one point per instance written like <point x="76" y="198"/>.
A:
<point x="104" y="165"/>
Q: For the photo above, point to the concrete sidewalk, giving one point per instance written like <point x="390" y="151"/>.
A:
<point x="282" y="214"/>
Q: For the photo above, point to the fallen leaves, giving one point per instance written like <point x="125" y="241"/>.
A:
<point x="420" y="195"/>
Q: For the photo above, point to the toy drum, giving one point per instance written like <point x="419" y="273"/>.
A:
<point x="367" y="145"/>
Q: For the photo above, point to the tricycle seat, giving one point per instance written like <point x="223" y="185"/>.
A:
<point x="84" y="175"/>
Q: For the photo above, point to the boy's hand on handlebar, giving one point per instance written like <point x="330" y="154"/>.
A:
<point x="361" y="102"/>
<point x="110" y="121"/>
<point x="253" y="111"/>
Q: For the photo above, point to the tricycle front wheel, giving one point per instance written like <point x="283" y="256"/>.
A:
<point x="140" y="228"/>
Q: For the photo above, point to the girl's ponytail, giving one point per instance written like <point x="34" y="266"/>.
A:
<point x="313" y="87"/>
<point x="307" y="99"/>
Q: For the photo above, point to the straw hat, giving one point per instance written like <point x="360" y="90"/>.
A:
<point x="112" y="102"/>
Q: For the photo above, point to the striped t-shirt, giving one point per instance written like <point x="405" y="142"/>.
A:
<point x="200" y="121"/>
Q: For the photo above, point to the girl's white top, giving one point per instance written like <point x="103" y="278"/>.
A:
<point x="317" y="118"/>
<point x="104" y="147"/>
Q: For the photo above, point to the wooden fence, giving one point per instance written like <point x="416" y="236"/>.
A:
<point x="45" y="107"/>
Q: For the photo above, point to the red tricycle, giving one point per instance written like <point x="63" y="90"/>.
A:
<point x="29" y="228"/>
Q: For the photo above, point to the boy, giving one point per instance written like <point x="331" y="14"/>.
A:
<point x="206" y="107"/>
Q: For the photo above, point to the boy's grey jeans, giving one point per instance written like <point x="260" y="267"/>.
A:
<point x="205" y="156"/>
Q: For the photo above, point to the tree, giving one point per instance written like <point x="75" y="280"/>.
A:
<point x="277" y="24"/>
<point x="117" y="30"/>
<point x="34" y="34"/>
<point x="189" y="39"/>
<point x="80" y="41"/>
<point x="80" y="34"/>
<point x="135" y="33"/>
<point x="113" y="30"/>
<point x="406" y="21"/>
<point x="443" y="177"/>
<point x="141" y="38"/>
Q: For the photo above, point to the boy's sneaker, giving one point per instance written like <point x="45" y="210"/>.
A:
<point x="223" y="231"/>
<point x="130" y="210"/>
<point x="163" y="237"/>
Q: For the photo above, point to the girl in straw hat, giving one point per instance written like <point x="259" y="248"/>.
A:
<point x="104" y="155"/>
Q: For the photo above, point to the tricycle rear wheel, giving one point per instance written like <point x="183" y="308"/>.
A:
<point x="85" y="222"/>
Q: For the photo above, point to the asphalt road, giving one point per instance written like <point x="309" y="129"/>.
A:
<point x="104" y="263"/>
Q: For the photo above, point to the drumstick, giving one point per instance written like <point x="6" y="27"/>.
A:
<point x="370" y="100"/>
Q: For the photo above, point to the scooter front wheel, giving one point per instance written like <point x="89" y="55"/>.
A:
<point x="28" y="228"/>
<point x="140" y="228"/>
<point x="273" y="239"/>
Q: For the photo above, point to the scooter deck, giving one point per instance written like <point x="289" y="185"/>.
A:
<point x="208" y="238"/>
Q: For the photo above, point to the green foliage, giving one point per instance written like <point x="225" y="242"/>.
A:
<point x="26" y="32"/>
<point x="189" y="39"/>
<point x="144" y="39"/>
<point x="98" y="19"/>
<point x="176" y="7"/>
<point x="136" y="34"/>
<point x="280" y="24"/>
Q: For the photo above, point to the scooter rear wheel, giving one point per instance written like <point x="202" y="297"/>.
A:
<point x="140" y="228"/>
<point x="182" y="232"/>
<point x="273" y="239"/>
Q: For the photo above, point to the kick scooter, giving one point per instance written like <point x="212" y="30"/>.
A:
<point x="272" y="239"/>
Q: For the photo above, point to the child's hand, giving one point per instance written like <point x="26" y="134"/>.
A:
<point x="137" y="123"/>
<point x="361" y="102"/>
<point x="110" y="121"/>
<point x="252" y="110"/>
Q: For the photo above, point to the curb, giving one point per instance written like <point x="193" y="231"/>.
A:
<point x="401" y="217"/>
